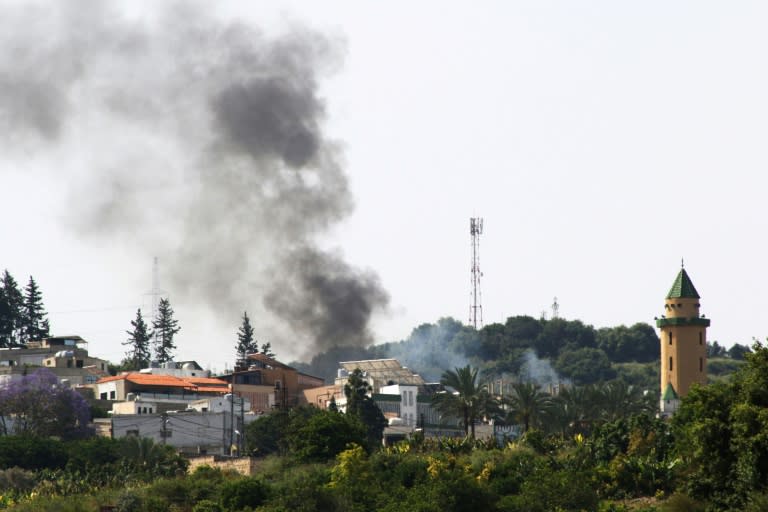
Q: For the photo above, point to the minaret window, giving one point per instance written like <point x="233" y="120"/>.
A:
<point x="669" y="335"/>
<point x="670" y="363"/>
<point x="701" y="364"/>
<point x="701" y="338"/>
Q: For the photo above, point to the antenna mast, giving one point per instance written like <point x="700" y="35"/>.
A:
<point x="476" y="306"/>
<point x="156" y="293"/>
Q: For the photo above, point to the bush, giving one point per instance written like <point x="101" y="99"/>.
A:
<point x="16" y="479"/>
<point x="206" y="506"/>
<point x="245" y="492"/>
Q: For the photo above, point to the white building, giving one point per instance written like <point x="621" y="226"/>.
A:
<point x="190" y="432"/>
<point x="409" y="409"/>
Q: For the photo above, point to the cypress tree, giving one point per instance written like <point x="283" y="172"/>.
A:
<point x="246" y="344"/>
<point x="34" y="324"/>
<point x="11" y="307"/>
<point x="140" y="352"/>
<point x="165" y="327"/>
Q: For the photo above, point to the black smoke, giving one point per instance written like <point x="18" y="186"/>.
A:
<point x="199" y="139"/>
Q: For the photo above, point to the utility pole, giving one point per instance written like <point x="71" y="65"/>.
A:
<point x="242" y="427"/>
<point x="476" y="306"/>
<point x="231" y="420"/>
<point x="164" y="431"/>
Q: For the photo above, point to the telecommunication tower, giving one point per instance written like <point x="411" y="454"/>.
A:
<point x="476" y="306"/>
<point x="155" y="293"/>
<point x="555" y="309"/>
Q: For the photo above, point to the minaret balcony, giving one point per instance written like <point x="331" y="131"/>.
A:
<point x="698" y="321"/>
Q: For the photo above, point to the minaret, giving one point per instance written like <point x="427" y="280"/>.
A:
<point x="683" y="343"/>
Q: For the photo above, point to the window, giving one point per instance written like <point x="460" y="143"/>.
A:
<point x="701" y="364"/>
<point x="69" y="363"/>
<point x="132" y="433"/>
<point x="669" y="335"/>
<point x="405" y="399"/>
<point x="410" y="398"/>
<point x="701" y="338"/>
<point x="79" y="363"/>
<point x="150" y="410"/>
<point x="111" y="395"/>
<point x="103" y="396"/>
<point x="670" y="363"/>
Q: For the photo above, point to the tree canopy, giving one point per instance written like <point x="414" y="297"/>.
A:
<point x="361" y="405"/>
<point x="165" y="329"/>
<point x="38" y="405"/>
<point x="246" y="343"/>
<point x="139" y="350"/>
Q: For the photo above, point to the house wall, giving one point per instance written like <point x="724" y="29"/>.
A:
<point x="261" y="398"/>
<point x="188" y="432"/>
<point x="321" y="396"/>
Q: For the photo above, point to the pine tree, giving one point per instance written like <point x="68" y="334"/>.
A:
<point x="34" y="324"/>
<point x="11" y="306"/>
<point x="246" y="344"/>
<point x="140" y="352"/>
<point x="165" y="327"/>
<point x="266" y="349"/>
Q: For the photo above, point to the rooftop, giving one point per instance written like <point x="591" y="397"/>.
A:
<point x="683" y="287"/>
<point x="192" y="383"/>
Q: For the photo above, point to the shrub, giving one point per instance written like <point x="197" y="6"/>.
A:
<point x="206" y="506"/>
<point x="245" y="492"/>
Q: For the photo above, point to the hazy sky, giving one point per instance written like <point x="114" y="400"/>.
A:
<point x="601" y="142"/>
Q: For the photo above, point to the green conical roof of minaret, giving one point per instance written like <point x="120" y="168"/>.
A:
<point x="683" y="287"/>
<point x="669" y="393"/>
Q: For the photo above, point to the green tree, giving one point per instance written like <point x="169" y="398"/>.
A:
<point x="166" y="327"/>
<point x="34" y="324"/>
<point x="558" y="334"/>
<point x="266" y="349"/>
<point x="527" y="405"/>
<point x="624" y="344"/>
<point x="361" y="405"/>
<point x="326" y="434"/>
<point x="469" y="401"/>
<point x="11" y="309"/>
<point x="246" y="344"/>
<point x="738" y="352"/>
<point x="585" y="365"/>
<point x="139" y="337"/>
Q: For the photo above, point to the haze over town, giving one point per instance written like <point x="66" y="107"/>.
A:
<point x="317" y="166"/>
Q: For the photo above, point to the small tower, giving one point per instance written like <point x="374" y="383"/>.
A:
<point x="683" y="343"/>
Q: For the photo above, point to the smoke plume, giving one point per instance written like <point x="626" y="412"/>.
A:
<point x="201" y="140"/>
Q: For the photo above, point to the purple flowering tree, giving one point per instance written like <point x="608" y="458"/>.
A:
<point x="38" y="405"/>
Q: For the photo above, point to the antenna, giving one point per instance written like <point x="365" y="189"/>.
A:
<point x="155" y="293"/>
<point x="476" y="306"/>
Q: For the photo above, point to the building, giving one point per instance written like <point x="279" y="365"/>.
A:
<point x="379" y="373"/>
<point x="146" y="393"/>
<point x="65" y="356"/>
<point x="683" y="343"/>
<point x="269" y="384"/>
<point x="190" y="432"/>
<point x="403" y="396"/>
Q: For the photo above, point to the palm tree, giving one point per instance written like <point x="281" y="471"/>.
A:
<point x="468" y="402"/>
<point x="527" y="404"/>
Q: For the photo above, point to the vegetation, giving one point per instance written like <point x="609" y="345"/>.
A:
<point x="361" y="406"/>
<point x="246" y="343"/>
<point x="465" y="398"/>
<point x="139" y="337"/>
<point x="22" y="315"/>
<point x="165" y="329"/>
<point x="39" y="405"/>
